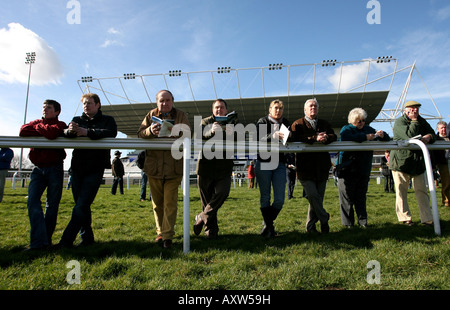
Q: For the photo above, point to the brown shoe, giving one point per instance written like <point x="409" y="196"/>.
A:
<point x="158" y="239"/>
<point x="198" y="226"/>
<point x="409" y="223"/>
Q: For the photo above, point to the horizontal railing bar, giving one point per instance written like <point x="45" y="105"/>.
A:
<point x="248" y="147"/>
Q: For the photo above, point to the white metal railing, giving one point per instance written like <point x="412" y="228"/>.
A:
<point x="239" y="147"/>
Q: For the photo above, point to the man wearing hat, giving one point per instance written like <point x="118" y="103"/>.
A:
<point x="409" y="165"/>
<point x="118" y="173"/>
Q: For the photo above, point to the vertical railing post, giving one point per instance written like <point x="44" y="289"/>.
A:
<point x="186" y="195"/>
<point x="431" y="187"/>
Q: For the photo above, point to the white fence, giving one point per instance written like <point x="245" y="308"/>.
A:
<point x="240" y="147"/>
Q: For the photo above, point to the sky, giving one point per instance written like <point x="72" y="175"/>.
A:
<point x="107" y="38"/>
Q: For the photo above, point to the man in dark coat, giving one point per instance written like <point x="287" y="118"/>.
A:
<point x="313" y="168"/>
<point x="118" y="172"/>
<point x="409" y="165"/>
<point x="213" y="175"/>
<point x="88" y="166"/>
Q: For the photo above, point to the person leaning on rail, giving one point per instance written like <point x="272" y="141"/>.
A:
<point x="214" y="175"/>
<point x="163" y="171"/>
<point x="409" y="165"/>
<point x="48" y="173"/>
<point x="269" y="131"/>
<point x="354" y="178"/>
<point x="313" y="168"/>
<point x="441" y="162"/>
<point x="88" y="166"/>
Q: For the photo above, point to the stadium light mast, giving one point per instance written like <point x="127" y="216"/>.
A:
<point x="29" y="60"/>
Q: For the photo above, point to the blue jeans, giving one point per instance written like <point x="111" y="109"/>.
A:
<point x="43" y="226"/>
<point x="144" y="186"/>
<point x="84" y="189"/>
<point x="271" y="178"/>
<point x="117" y="181"/>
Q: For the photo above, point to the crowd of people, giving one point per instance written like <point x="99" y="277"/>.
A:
<point x="164" y="173"/>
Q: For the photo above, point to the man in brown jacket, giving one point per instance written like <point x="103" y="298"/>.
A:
<point x="313" y="168"/>
<point x="163" y="171"/>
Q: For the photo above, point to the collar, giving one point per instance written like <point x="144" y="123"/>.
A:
<point x="274" y="121"/>
<point x="50" y="120"/>
<point x="168" y="115"/>
<point x="96" y="116"/>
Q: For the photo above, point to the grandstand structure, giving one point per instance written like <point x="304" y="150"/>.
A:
<point x="379" y="86"/>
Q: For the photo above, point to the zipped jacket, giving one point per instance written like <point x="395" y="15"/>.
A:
<point x="98" y="127"/>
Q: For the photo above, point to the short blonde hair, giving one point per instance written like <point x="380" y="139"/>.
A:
<point x="356" y="113"/>
<point x="276" y="101"/>
<point x="93" y="96"/>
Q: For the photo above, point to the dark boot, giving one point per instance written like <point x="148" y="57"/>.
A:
<point x="268" y="222"/>
<point x="274" y="213"/>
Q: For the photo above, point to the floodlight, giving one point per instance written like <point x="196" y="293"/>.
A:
<point x="223" y="70"/>
<point x="329" y="63"/>
<point x="384" y="59"/>
<point x="275" y="66"/>
<point x="175" y="73"/>
<point x="129" y="76"/>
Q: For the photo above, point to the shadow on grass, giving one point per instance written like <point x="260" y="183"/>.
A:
<point x="345" y="238"/>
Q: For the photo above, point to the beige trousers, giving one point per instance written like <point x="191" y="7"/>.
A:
<point x="164" y="200"/>
<point x="401" y="181"/>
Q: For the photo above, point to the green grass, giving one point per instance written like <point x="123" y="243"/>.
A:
<point x="125" y="256"/>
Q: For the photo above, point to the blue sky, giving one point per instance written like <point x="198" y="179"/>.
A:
<point x="151" y="37"/>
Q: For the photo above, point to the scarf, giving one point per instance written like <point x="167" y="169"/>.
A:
<point x="313" y="122"/>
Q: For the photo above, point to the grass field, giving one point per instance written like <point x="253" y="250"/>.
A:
<point x="125" y="256"/>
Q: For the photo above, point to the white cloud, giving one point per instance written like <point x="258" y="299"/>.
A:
<point x="113" y="31"/>
<point x="111" y="43"/>
<point x="443" y="13"/>
<point x="426" y="47"/>
<point x="112" y="38"/>
<point x="354" y="75"/>
<point x="15" y="42"/>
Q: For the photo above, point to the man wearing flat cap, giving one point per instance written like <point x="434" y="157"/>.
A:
<point x="409" y="165"/>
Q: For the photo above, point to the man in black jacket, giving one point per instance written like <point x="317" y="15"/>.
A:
<point x="88" y="166"/>
<point x="118" y="172"/>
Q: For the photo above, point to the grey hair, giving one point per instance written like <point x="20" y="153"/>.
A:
<point x="309" y="100"/>
<point x="441" y="123"/>
<point x="355" y="114"/>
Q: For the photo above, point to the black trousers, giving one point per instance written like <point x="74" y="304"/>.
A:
<point x="352" y="194"/>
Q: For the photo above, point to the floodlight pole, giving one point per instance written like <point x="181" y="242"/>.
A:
<point x="30" y="59"/>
